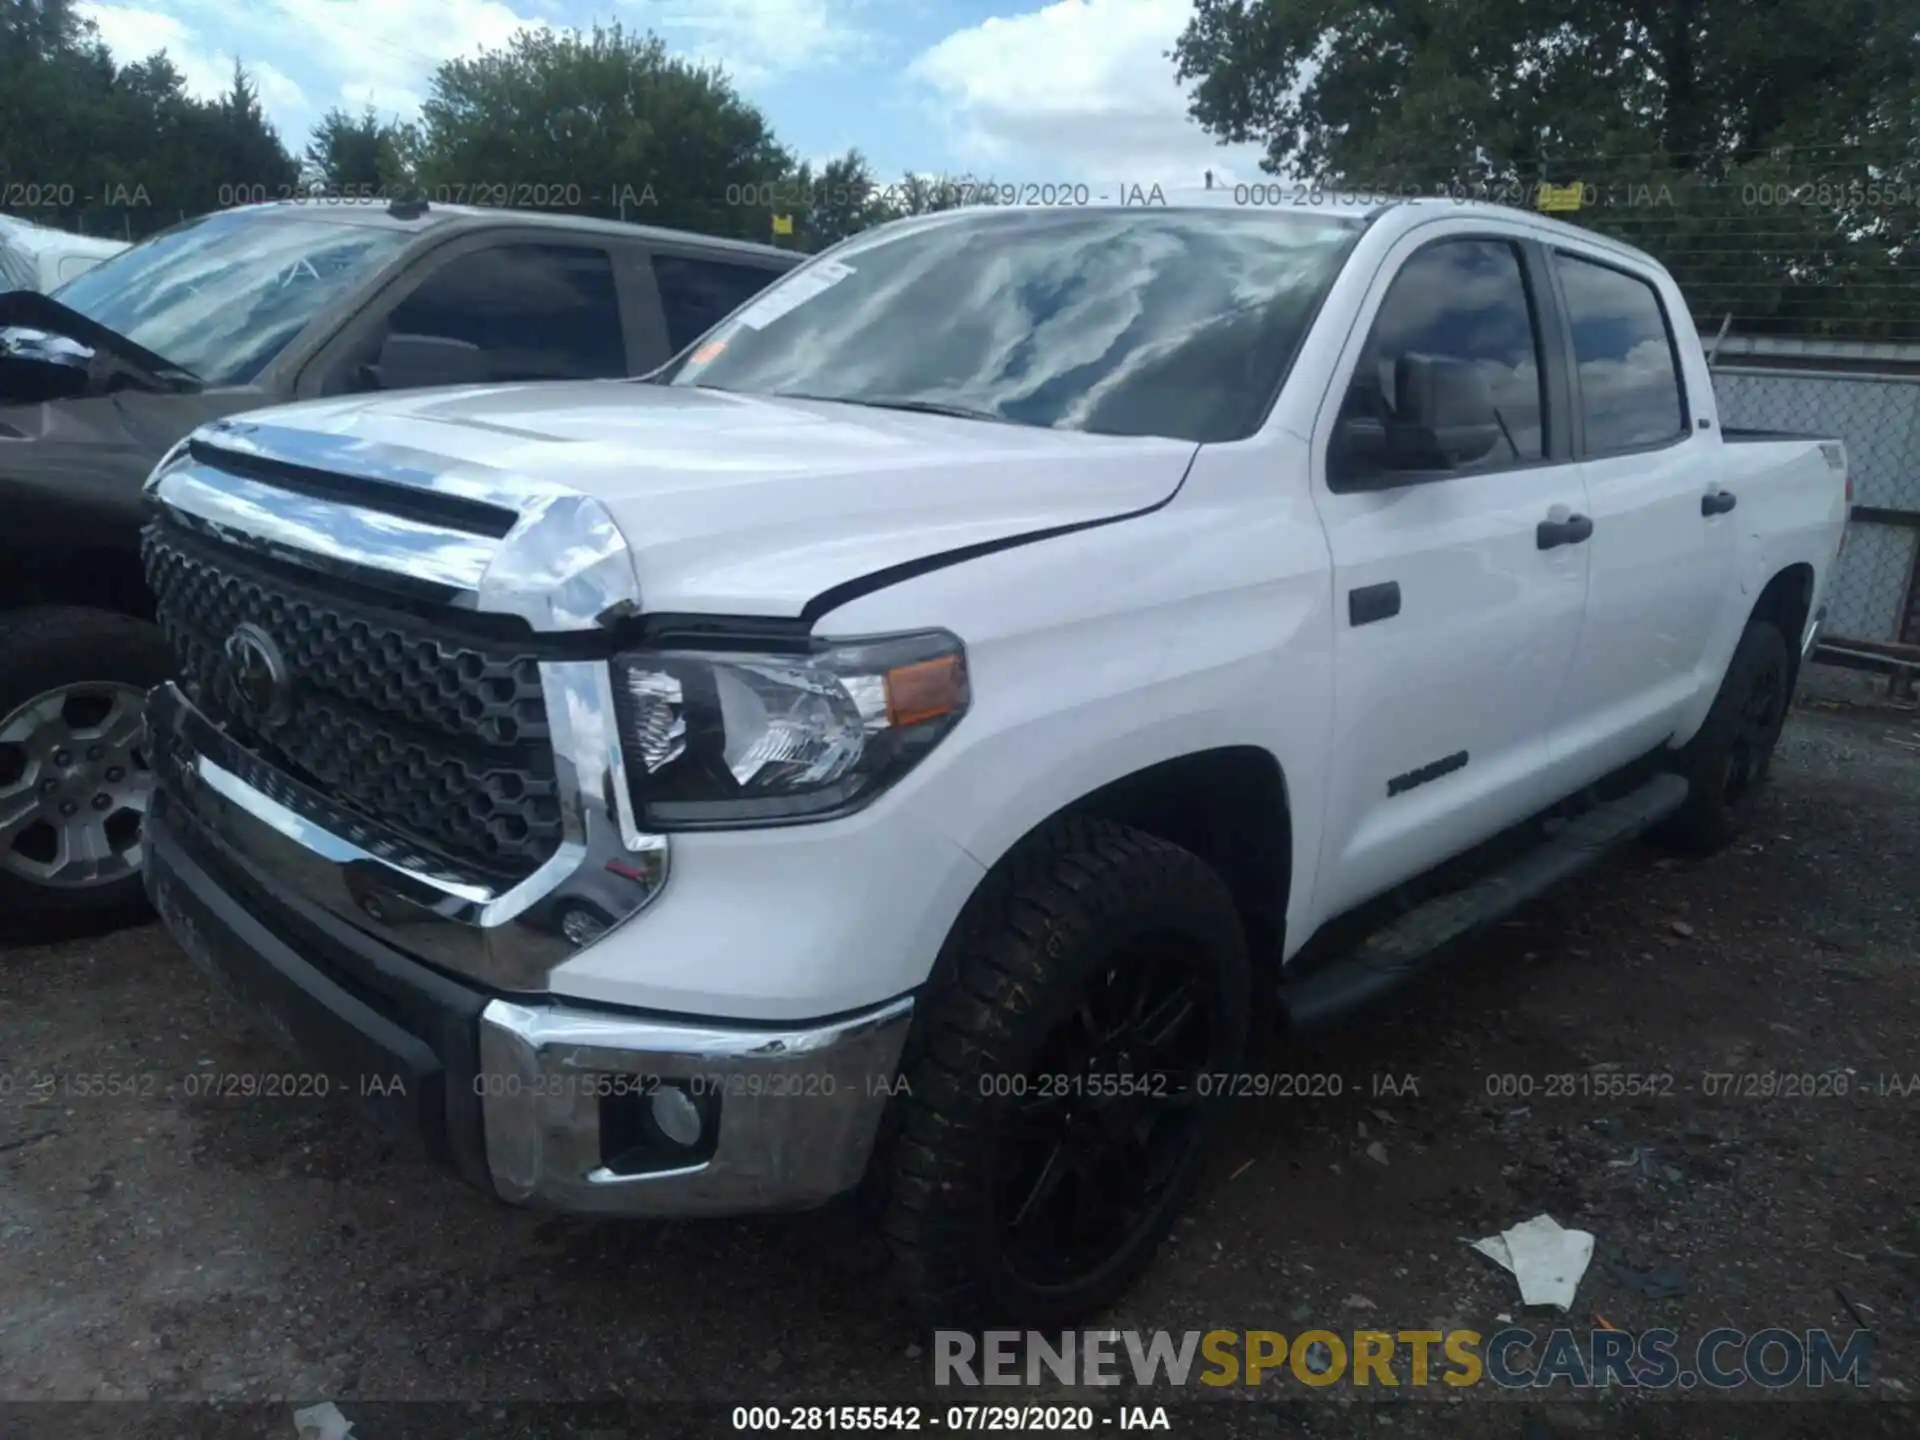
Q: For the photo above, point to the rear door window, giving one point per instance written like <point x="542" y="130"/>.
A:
<point x="1631" y="395"/>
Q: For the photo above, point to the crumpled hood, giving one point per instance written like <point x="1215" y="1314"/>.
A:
<point x="737" y="504"/>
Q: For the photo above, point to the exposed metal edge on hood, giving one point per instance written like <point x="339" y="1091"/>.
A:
<point x="835" y="596"/>
<point x="561" y="565"/>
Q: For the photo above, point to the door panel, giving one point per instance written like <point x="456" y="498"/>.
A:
<point x="1471" y="665"/>
<point x="1442" y="705"/>
<point x="1661" y="567"/>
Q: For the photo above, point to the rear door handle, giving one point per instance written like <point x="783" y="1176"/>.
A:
<point x="1570" y="531"/>
<point x="1718" y="503"/>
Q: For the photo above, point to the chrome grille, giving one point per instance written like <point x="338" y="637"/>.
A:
<point x="412" y="723"/>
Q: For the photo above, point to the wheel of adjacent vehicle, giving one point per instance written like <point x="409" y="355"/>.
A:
<point x="74" y="777"/>
<point x="1058" y="1097"/>
<point x="1726" y="763"/>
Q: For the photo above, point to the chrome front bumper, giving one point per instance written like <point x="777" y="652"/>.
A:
<point x="793" y="1113"/>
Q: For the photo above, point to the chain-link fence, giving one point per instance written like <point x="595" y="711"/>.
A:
<point x="1821" y="388"/>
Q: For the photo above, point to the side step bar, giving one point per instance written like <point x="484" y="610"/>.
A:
<point x="1405" y="947"/>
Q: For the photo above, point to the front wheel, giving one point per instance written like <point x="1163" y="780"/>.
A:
<point x="1727" y="762"/>
<point x="1058" y="1081"/>
<point x="74" y="773"/>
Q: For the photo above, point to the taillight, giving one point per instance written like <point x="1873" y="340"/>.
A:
<point x="1849" y="489"/>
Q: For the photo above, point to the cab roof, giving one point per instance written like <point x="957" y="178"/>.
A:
<point x="453" y="218"/>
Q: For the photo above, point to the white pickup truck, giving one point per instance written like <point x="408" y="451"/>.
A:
<point x="912" y="737"/>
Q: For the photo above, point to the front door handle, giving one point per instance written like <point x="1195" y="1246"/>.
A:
<point x="1368" y="603"/>
<point x="1718" y="502"/>
<point x="1570" y="531"/>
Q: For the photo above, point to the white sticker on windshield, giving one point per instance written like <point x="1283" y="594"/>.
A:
<point x="815" y="279"/>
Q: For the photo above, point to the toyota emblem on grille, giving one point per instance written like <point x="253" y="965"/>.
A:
<point x="257" y="673"/>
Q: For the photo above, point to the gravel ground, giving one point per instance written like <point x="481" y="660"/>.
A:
<point x="156" y="1245"/>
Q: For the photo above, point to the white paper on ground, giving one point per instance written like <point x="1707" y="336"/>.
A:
<point x="322" y="1422"/>
<point x="1547" y="1260"/>
<point x="820" y="276"/>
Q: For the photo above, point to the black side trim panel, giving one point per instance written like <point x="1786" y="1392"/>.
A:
<point x="1879" y="515"/>
<point x="1400" y="784"/>
<point x="1736" y="435"/>
<point x="1416" y="939"/>
<point x="1368" y="603"/>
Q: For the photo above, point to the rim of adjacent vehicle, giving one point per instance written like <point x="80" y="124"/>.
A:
<point x="1103" y="1123"/>
<point x="74" y="784"/>
<point x="1753" y="736"/>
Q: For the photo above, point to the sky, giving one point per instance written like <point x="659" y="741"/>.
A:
<point x="1073" y="92"/>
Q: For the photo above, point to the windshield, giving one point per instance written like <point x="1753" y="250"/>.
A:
<point x="16" y="270"/>
<point x="1119" y="322"/>
<point x="222" y="295"/>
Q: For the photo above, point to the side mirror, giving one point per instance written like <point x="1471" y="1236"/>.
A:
<point x="412" y="362"/>
<point x="1444" y="416"/>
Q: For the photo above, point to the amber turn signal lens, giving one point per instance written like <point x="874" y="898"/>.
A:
<point x="926" y="690"/>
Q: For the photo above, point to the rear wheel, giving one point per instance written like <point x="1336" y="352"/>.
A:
<point x="1728" y="761"/>
<point x="74" y="772"/>
<point x="1059" y="1078"/>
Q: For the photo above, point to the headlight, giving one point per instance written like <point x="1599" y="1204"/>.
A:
<point x="716" y="738"/>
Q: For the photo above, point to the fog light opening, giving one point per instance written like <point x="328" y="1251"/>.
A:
<point x="656" y="1125"/>
<point x="582" y="927"/>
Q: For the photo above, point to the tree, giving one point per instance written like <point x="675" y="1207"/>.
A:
<point x="921" y="194"/>
<point x="246" y="143"/>
<point x="360" y="154"/>
<point x="120" y="149"/>
<point x="604" y="123"/>
<point x="1438" y="88"/>
<point x="55" y="77"/>
<point x="1715" y="105"/>
<point x="843" y="201"/>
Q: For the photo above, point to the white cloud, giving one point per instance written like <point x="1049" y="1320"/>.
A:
<point x="390" y="102"/>
<point x="351" y="53"/>
<point x="279" y="91"/>
<point x="383" y="53"/>
<point x="757" y="40"/>
<point x="1083" y="86"/>
<point x="133" y="34"/>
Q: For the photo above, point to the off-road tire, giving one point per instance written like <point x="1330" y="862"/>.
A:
<point x="1072" y="897"/>
<point x="1728" y="760"/>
